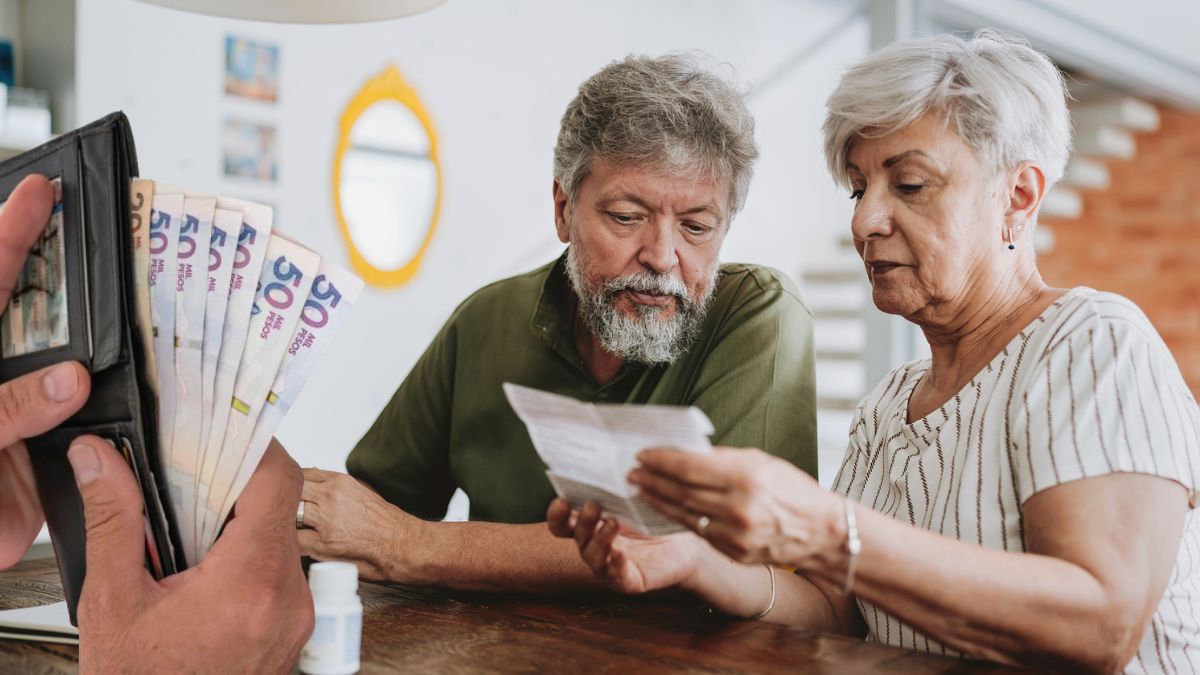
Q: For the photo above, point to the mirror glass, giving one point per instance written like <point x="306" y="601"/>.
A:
<point x="389" y="184"/>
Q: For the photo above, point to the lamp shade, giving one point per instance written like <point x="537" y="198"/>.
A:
<point x="302" y="11"/>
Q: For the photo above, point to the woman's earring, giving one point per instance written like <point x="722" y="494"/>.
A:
<point x="1012" y="245"/>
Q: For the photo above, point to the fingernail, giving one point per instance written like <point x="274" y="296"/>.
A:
<point x="85" y="462"/>
<point x="60" y="382"/>
<point x="634" y="477"/>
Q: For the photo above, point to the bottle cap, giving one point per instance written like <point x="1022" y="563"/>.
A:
<point x="335" y="577"/>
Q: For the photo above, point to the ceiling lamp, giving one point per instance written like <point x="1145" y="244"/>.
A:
<point x="302" y="11"/>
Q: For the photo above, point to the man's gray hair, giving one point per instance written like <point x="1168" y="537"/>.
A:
<point x="671" y="112"/>
<point x="1003" y="98"/>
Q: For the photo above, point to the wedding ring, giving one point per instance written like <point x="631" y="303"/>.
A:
<point x="300" y="516"/>
<point x="702" y="526"/>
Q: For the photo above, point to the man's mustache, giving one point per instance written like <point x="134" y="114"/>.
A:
<point x="648" y="283"/>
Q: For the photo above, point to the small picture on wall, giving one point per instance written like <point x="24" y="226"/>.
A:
<point x="251" y="69"/>
<point x="250" y="150"/>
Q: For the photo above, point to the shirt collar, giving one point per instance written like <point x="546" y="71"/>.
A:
<point x="551" y="316"/>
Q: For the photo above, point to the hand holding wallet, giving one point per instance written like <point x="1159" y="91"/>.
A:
<point x="197" y="323"/>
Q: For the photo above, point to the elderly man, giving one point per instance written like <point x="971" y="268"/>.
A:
<point x="654" y="157"/>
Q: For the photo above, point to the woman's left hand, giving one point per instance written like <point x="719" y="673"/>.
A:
<point x="759" y="508"/>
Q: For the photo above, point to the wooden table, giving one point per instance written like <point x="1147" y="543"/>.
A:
<point x="423" y="630"/>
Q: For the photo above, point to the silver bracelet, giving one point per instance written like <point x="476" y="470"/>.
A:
<point x="771" y="604"/>
<point x="853" y="547"/>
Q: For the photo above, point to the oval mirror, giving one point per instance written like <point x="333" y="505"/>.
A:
<point x="387" y="180"/>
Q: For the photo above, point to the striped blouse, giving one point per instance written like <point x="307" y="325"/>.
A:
<point x="1086" y="389"/>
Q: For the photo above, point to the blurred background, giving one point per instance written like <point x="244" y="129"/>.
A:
<point x="447" y="186"/>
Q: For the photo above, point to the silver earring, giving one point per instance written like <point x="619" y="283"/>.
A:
<point x="1012" y="245"/>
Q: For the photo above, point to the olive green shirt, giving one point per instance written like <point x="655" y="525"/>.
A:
<point x="450" y="426"/>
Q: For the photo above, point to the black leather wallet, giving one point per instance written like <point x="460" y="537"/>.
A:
<point x="95" y="165"/>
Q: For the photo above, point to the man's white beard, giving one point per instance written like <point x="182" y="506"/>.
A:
<point x="647" y="338"/>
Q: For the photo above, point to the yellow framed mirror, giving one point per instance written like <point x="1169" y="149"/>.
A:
<point x="387" y="180"/>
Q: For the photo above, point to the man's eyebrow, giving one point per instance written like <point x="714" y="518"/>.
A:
<point x="630" y="197"/>
<point x="625" y="197"/>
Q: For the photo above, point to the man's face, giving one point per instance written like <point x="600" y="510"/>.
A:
<point x="644" y="255"/>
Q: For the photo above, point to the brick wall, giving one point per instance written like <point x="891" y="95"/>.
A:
<point x="1141" y="236"/>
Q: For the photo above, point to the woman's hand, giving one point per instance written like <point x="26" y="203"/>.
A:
<point x="627" y="561"/>
<point x="759" y="508"/>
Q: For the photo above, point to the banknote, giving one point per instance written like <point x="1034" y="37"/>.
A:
<point x="251" y="251"/>
<point x="141" y="197"/>
<point x="222" y="249"/>
<point x="36" y="317"/>
<point x="334" y="291"/>
<point x="282" y="291"/>
<point x="165" y="218"/>
<point x="191" y="293"/>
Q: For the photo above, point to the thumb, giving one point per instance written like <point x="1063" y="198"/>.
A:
<point x="39" y="401"/>
<point x="113" y="520"/>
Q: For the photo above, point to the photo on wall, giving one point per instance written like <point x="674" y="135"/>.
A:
<point x="251" y="69"/>
<point x="250" y="150"/>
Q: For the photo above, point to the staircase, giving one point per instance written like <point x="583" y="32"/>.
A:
<point x="1105" y="124"/>
<point x="838" y="294"/>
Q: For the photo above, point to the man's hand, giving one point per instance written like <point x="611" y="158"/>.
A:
<point x="346" y="520"/>
<point x="625" y="560"/>
<point x="35" y="403"/>
<point x="244" y="608"/>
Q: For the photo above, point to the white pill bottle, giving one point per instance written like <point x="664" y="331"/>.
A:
<point x="337" y="634"/>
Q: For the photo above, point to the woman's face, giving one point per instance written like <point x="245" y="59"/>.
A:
<point x="927" y="219"/>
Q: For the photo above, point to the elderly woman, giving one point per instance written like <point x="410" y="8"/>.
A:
<point x="1026" y="495"/>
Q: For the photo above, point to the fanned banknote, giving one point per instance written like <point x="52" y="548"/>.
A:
<point x="141" y="197"/>
<point x="251" y="251"/>
<point x="330" y="298"/>
<point x="165" y="218"/>
<point x="282" y="290"/>
<point x="191" y="288"/>
<point x="221" y="251"/>
<point x="235" y="318"/>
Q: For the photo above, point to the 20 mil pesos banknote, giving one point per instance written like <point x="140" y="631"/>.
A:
<point x="330" y="299"/>
<point x="141" y="197"/>
<point x="282" y="292"/>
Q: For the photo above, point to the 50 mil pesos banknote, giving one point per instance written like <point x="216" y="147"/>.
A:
<point x="330" y="298"/>
<point x="191" y="294"/>
<point x="250" y="252"/>
<point x="282" y="291"/>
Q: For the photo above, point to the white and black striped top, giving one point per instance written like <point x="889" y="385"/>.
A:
<point x="1088" y="388"/>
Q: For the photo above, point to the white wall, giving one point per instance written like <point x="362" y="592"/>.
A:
<point x="496" y="75"/>
<point x="1147" y="48"/>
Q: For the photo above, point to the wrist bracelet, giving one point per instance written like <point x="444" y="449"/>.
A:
<point x="771" y="604"/>
<point x="853" y="547"/>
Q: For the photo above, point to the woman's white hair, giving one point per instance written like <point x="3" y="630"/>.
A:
<point x="1006" y="100"/>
